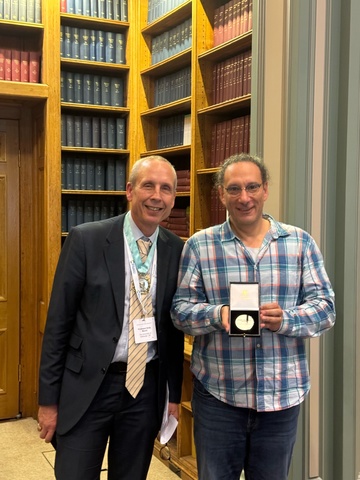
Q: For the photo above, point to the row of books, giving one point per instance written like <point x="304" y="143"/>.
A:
<point x="158" y="8"/>
<point x="172" y="87"/>
<point x="19" y="66"/>
<point x="106" y="174"/>
<point x="76" y="212"/>
<point x="174" y="131"/>
<point x="92" y="45"/>
<point x="178" y="222"/>
<point x="183" y="180"/>
<point x="171" y="42"/>
<point x="92" y="89"/>
<point x="109" y="9"/>
<point x="228" y="138"/>
<point x="217" y="208"/>
<point x="28" y="11"/>
<point x="232" y="19"/>
<point x="92" y="132"/>
<point x="232" y="77"/>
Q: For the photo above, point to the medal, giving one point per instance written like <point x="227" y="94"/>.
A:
<point x="144" y="283"/>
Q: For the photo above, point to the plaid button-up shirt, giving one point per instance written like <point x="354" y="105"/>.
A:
<point x="264" y="373"/>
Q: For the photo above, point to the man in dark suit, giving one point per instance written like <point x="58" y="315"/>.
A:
<point x="83" y="393"/>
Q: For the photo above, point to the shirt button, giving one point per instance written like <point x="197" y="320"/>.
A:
<point x="103" y="371"/>
<point x="258" y="345"/>
<point x="115" y="340"/>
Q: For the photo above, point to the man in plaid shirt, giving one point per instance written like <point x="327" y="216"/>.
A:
<point x="248" y="390"/>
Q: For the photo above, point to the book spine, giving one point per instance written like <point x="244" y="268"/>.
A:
<point x="120" y="174"/>
<point x="120" y="133"/>
<point x="14" y="10"/>
<point x="110" y="174"/>
<point x="90" y="174"/>
<point x="105" y="91"/>
<point x="99" y="175"/>
<point x="77" y="173"/>
<point x="69" y="87"/>
<point x="84" y="44"/>
<point x="37" y="11"/>
<point x="78" y="88"/>
<point x="70" y="131"/>
<point x="111" y="133"/>
<point x="83" y="168"/>
<point x="69" y="166"/>
<point x="96" y="142"/>
<point x="2" y="63"/>
<point x="110" y="47"/>
<point x="15" y="65"/>
<point x="117" y="92"/>
<point x="100" y="46"/>
<point x="92" y="47"/>
<point x="78" y="131"/>
<point x="86" y="132"/>
<point x="22" y="10"/>
<point x="103" y="133"/>
<point x="88" y="89"/>
<point x="75" y="42"/>
<point x="119" y="48"/>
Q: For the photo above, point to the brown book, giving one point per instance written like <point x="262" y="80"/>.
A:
<point x="221" y="25"/>
<point x="241" y="134"/>
<point x="34" y="67"/>
<point x="15" y="65"/>
<point x="183" y="174"/>
<point x="227" y="139"/>
<point x="235" y="133"/>
<point x="8" y="64"/>
<point x="2" y="64"/>
<point x="246" y="16"/>
<point x="250" y="20"/>
<point x="237" y="17"/>
<point x="213" y="146"/>
<point x="178" y="212"/>
<point x="216" y="27"/>
<point x="247" y="134"/>
<point x="24" y="66"/>
<point x="183" y="181"/>
<point x="177" y="220"/>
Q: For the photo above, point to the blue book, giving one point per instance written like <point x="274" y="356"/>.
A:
<point x="30" y="11"/>
<point x="88" y="211"/>
<point x="117" y="10"/>
<point x="102" y="8"/>
<point x="94" y="10"/>
<point x="110" y="9"/>
<point x="93" y="45"/>
<point x="62" y="40"/>
<point x="103" y="133"/>
<point x="63" y="171"/>
<point x="120" y="133"/>
<point x="77" y="173"/>
<point x="97" y="210"/>
<point x="75" y="42"/>
<point x="124" y="10"/>
<point x="110" y="174"/>
<point x="97" y="90"/>
<point x="71" y="214"/>
<point x="100" y="46"/>
<point x="67" y="41"/>
<point x="78" y="132"/>
<point x="105" y="91"/>
<point x="70" y="6"/>
<point x="120" y="175"/>
<point x="86" y="8"/>
<point x="37" y="11"/>
<point x="63" y="89"/>
<point x="110" y="47"/>
<point x="117" y="92"/>
<point x="96" y="132"/>
<point x="86" y="132"/>
<point x="22" y="10"/>
<point x="78" y="7"/>
<point x="88" y="87"/>
<point x="83" y="168"/>
<point x="69" y="166"/>
<point x="112" y="208"/>
<point x="63" y="130"/>
<point x="79" y="212"/>
<point x="70" y="132"/>
<point x="111" y="132"/>
<point x="64" y="214"/>
<point x="90" y="174"/>
<point x="69" y="87"/>
<point x="119" y="48"/>
<point x="78" y="88"/>
<point x="104" y="212"/>
<point x="99" y="175"/>
<point x="84" y="44"/>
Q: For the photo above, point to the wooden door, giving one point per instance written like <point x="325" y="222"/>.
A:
<point x="9" y="268"/>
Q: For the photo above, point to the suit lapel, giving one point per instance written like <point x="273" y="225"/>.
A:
<point x="114" y="258"/>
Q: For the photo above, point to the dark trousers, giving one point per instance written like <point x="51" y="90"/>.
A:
<point x="129" y="425"/>
<point x="230" y="440"/>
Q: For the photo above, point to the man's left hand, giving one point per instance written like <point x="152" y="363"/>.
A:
<point x="271" y="316"/>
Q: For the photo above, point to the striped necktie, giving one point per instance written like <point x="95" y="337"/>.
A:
<point x="137" y="352"/>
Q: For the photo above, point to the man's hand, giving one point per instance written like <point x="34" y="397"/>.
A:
<point x="173" y="410"/>
<point x="271" y="316"/>
<point x="47" y="420"/>
<point x="225" y="310"/>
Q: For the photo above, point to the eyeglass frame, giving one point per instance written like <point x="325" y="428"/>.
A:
<point x="240" y="189"/>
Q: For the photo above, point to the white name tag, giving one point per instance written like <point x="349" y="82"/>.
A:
<point x="145" y="330"/>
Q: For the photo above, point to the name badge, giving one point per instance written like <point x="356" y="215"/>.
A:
<point x="144" y="330"/>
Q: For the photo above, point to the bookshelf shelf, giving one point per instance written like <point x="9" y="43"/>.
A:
<point x="118" y="111"/>
<point x="167" y="21"/>
<point x="229" y="106"/>
<point x="169" y="152"/>
<point x="227" y="49"/>
<point x="13" y="27"/>
<point x="84" y="65"/>
<point x="180" y="106"/>
<point x="101" y="151"/>
<point x="178" y="61"/>
<point x="92" y="22"/>
<point x="34" y="92"/>
<point x="94" y="192"/>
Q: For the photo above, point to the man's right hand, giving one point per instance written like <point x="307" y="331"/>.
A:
<point x="225" y="310"/>
<point x="47" y="420"/>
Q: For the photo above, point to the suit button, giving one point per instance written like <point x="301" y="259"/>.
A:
<point x="115" y="340"/>
<point x="103" y="371"/>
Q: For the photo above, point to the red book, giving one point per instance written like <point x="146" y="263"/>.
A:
<point x="34" y="67"/>
<point x="24" y="67"/>
<point x="2" y="64"/>
<point x="15" y="65"/>
<point x="221" y="25"/>
<point x="183" y="173"/>
<point x="63" y="6"/>
<point x="8" y="64"/>
<point x="216" y="27"/>
<point x="226" y="22"/>
<point x="237" y="16"/>
<point x="246" y="16"/>
<point x="241" y="134"/>
<point x="247" y="134"/>
<point x="250" y="20"/>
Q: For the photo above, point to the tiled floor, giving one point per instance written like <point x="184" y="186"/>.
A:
<point x="24" y="456"/>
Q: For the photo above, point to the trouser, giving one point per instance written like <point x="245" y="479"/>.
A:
<point x="230" y="440"/>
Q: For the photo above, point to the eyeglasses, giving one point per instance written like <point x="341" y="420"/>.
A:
<point x="235" y="190"/>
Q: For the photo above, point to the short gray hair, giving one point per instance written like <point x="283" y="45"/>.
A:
<point x="133" y="176"/>
<point x="241" y="157"/>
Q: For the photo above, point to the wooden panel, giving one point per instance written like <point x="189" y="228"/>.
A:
<point x="9" y="269"/>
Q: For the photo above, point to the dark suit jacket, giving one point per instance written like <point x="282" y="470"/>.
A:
<point x="85" y="318"/>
